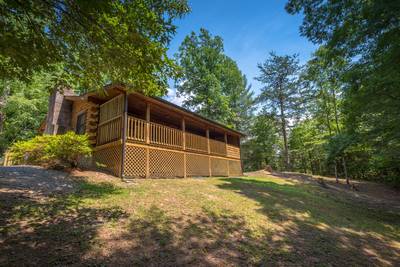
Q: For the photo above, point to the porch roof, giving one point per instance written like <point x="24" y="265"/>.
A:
<point x="109" y="91"/>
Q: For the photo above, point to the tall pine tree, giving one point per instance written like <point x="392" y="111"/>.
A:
<point x="280" y="94"/>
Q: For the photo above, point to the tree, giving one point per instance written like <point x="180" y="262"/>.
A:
<point x="280" y="93"/>
<point x="367" y="34"/>
<point x="23" y="107"/>
<point x="95" y="41"/>
<point x="261" y="147"/>
<point x="307" y="146"/>
<point x="323" y="76"/>
<point x="212" y="82"/>
<point x="241" y="102"/>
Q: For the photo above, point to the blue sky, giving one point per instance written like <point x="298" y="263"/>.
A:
<point x="250" y="30"/>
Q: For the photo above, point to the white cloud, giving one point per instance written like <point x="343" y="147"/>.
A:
<point x="174" y="98"/>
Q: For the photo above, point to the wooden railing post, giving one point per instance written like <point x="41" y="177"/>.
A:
<point x="147" y="123"/>
<point x="226" y="152"/>
<point x="208" y="140"/>
<point x="147" y="139"/>
<point x="124" y="132"/>
<point x="184" y="146"/>
<point x="208" y="151"/>
<point x="226" y="143"/>
<point x="183" y="133"/>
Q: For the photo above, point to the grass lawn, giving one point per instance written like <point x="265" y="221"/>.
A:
<point x="210" y="221"/>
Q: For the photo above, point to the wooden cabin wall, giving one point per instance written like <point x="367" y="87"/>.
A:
<point x="92" y="114"/>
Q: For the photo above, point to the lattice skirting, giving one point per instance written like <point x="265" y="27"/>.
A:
<point x="109" y="158"/>
<point x="235" y="168"/>
<point x="162" y="163"/>
<point x="219" y="167"/>
<point x="197" y="165"/>
<point x="135" y="162"/>
<point x="165" y="163"/>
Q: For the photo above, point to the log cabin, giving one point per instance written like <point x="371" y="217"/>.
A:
<point x="137" y="136"/>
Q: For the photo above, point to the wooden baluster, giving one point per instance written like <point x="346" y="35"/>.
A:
<point x="128" y="128"/>
<point x="143" y="131"/>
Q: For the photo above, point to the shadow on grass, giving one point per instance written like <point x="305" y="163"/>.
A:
<point x="207" y="239"/>
<point x="320" y="229"/>
<point x="303" y="226"/>
<point x="39" y="230"/>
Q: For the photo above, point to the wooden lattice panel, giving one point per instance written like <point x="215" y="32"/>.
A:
<point x="219" y="167"/>
<point x="135" y="162"/>
<point x="235" y="168"/>
<point x="197" y="165"/>
<point x="109" y="158"/>
<point x="165" y="163"/>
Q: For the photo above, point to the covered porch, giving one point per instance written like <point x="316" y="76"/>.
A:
<point x="157" y="139"/>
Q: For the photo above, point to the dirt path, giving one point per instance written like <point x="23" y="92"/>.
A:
<point x="375" y="194"/>
<point x="34" y="181"/>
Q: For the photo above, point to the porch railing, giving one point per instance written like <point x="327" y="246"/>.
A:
<point x="196" y="142"/>
<point x="217" y="147"/>
<point x="162" y="135"/>
<point x="136" y="129"/>
<point x="110" y="130"/>
<point x="167" y="136"/>
<point x="233" y="151"/>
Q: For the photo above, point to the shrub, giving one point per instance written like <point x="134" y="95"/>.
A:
<point x="51" y="150"/>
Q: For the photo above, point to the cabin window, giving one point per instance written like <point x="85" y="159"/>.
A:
<point x="81" y="124"/>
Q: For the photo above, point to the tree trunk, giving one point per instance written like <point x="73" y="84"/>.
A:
<point x="345" y="170"/>
<point x="336" y="176"/>
<point x="3" y="101"/>
<point x="311" y="163"/>
<point x="284" y="133"/>
<point x="335" y="109"/>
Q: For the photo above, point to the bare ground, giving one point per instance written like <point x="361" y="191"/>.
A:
<point x="374" y="194"/>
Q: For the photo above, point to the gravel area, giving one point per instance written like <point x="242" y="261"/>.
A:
<point x="34" y="180"/>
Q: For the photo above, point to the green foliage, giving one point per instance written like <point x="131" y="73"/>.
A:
<point x="366" y="35"/>
<point x="307" y="147"/>
<point x="51" y="150"/>
<point x="212" y="82"/>
<point x="94" y="41"/>
<point x="23" y="106"/>
<point x="262" y="146"/>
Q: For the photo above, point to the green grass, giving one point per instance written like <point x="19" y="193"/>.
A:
<point x="211" y="221"/>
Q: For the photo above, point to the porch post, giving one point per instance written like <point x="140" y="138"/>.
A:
<point x="208" y="152"/>
<point x="124" y="129"/>
<point x="147" y="123"/>
<point x="226" y="144"/>
<point x="147" y="139"/>
<point x="226" y="152"/>
<point x="184" y="146"/>
<point x="208" y="140"/>
<point x="240" y="155"/>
